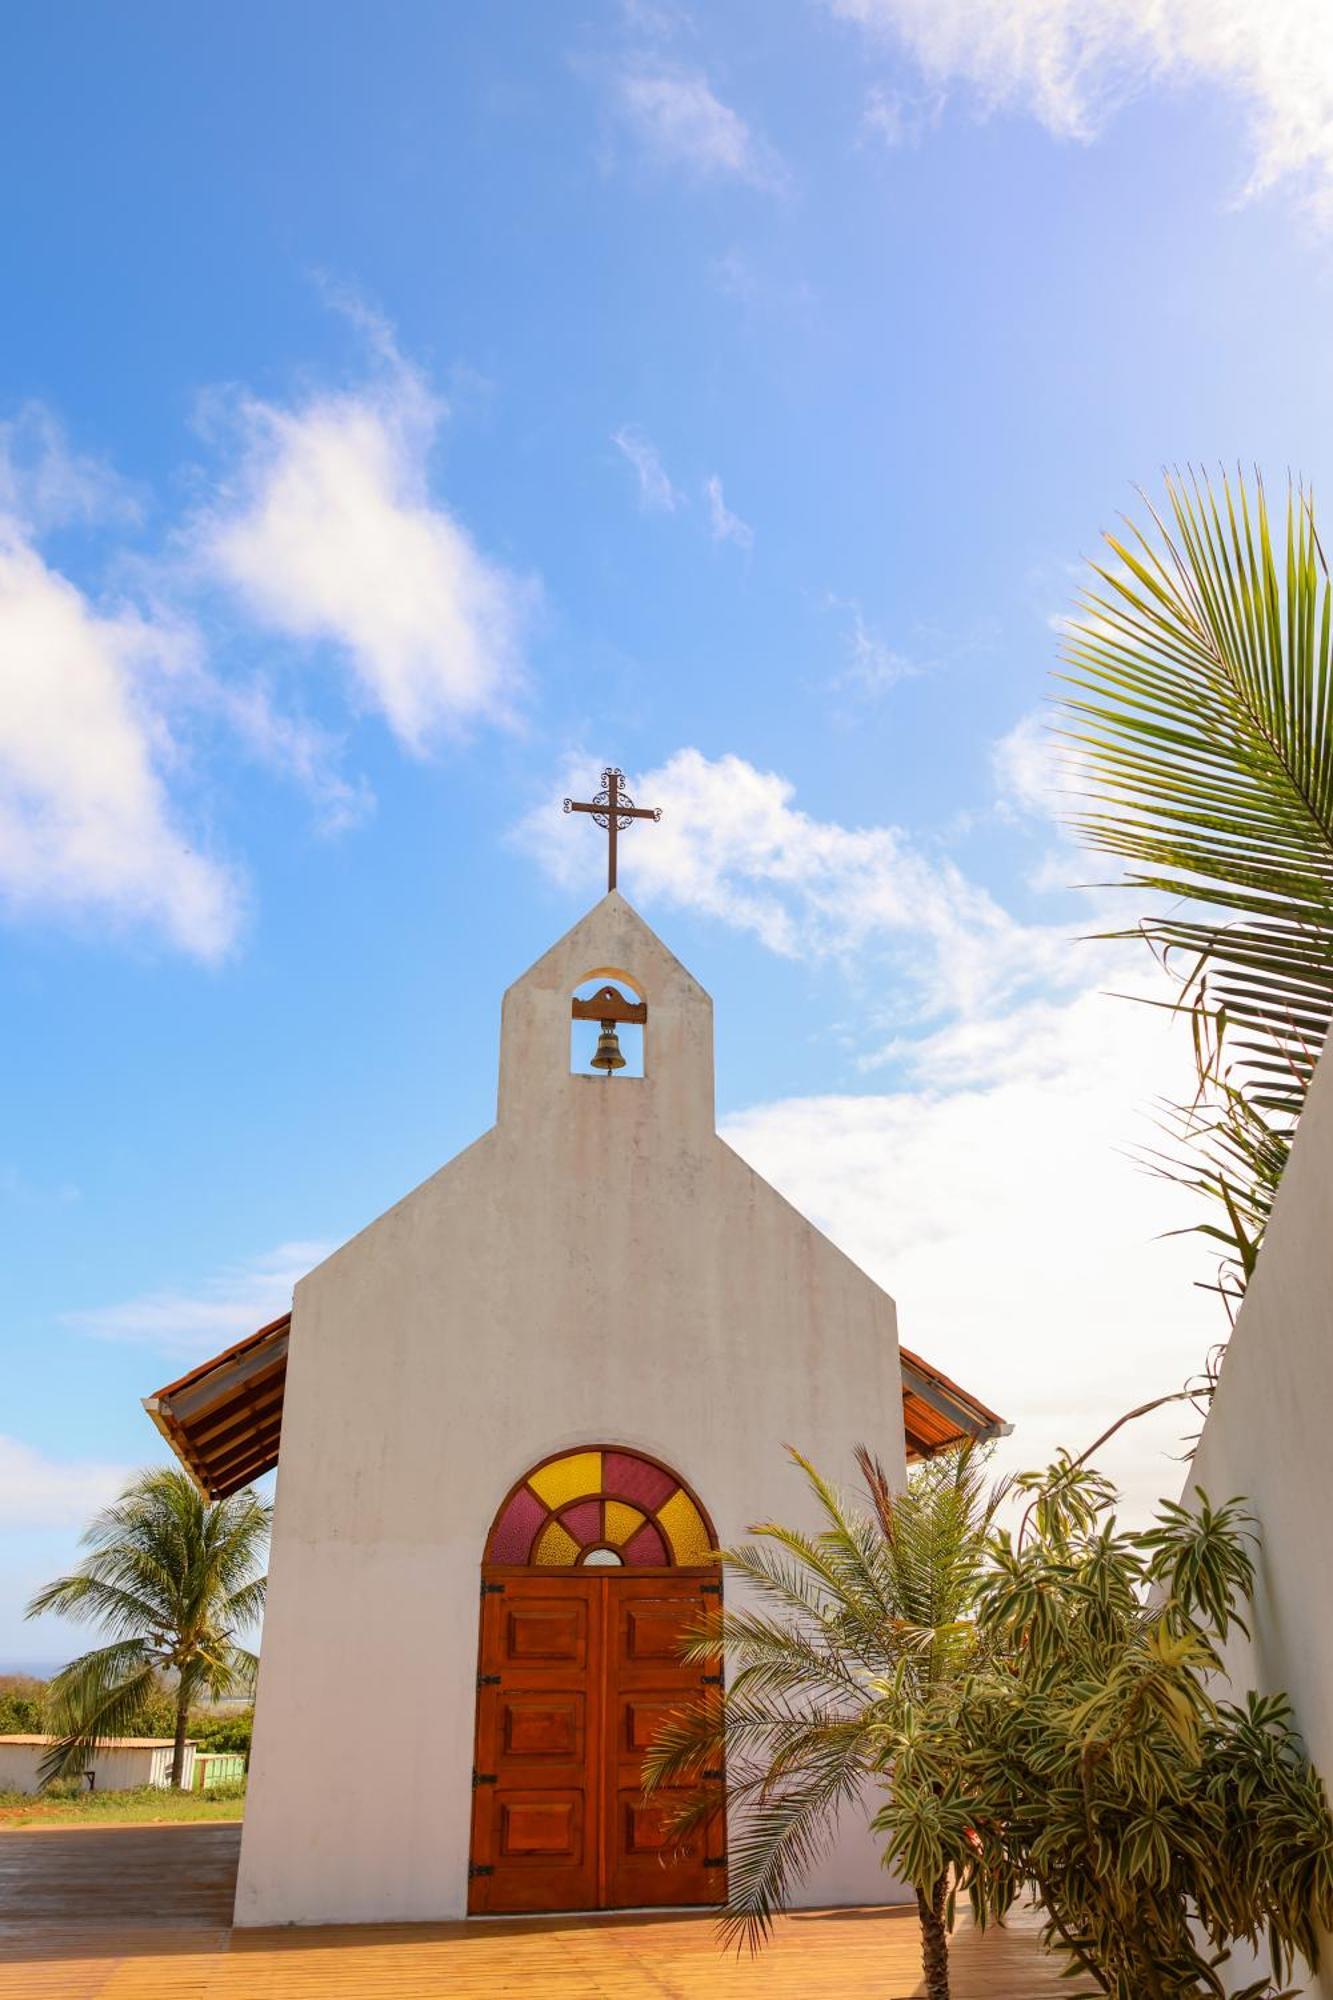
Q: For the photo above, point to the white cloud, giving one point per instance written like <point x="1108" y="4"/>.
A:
<point x="45" y="484"/>
<point x="38" y="1492"/>
<point x="995" y="1201"/>
<point x="87" y="827"/>
<point x="681" y="122"/>
<point x="873" y="666"/>
<point x="894" y="118"/>
<point x="297" y="748"/>
<point x="657" y="495"/>
<point x="992" y="1189"/>
<point x="1071" y="63"/>
<point x="229" y="1305"/>
<point x="725" y="526"/>
<point x="327" y="531"/>
<point x="733" y="845"/>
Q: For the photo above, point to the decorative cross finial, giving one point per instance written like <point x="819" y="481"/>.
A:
<point x="614" y="809"/>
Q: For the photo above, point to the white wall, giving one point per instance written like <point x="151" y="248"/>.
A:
<point x="115" y="1768"/>
<point x="1269" y="1436"/>
<point x="599" y="1268"/>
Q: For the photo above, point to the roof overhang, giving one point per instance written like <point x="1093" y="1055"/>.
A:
<point x="938" y="1415"/>
<point x="224" y="1419"/>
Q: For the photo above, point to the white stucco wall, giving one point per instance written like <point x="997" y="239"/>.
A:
<point x="115" y="1767"/>
<point x="598" y="1268"/>
<point x="1269" y="1436"/>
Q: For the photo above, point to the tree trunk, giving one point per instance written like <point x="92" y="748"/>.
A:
<point x="934" y="1939"/>
<point x="178" y="1744"/>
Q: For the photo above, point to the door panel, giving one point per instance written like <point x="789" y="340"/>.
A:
<point x="578" y="1672"/>
<point x="650" y="1864"/>
<point x="534" y="1844"/>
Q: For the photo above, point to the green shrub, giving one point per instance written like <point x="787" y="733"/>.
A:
<point x="227" y="1788"/>
<point x="228" y="1731"/>
<point x="22" y="1705"/>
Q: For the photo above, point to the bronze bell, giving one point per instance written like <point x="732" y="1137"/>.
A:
<point x="608" y="1056"/>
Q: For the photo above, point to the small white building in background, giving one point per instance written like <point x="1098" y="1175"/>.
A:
<point x="122" y="1763"/>
<point x="517" y="1416"/>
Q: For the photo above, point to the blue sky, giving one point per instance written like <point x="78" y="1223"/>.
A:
<point x="404" y="412"/>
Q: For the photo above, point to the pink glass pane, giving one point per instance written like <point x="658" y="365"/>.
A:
<point x="584" y="1522"/>
<point x="511" y="1537"/>
<point x="630" y="1478"/>
<point x="647" y="1549"/>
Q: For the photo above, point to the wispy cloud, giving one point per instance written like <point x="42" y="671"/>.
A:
<point x="723" y="524"/>
<point x="896" y="118"/>
<point x="988" y="1189"/>
<point x="38" y="1492"/>
<point x="327" y="530"/>
<point x="733" y="845"/>
<point x="871" y="666"/>
<point x="993" y="1198"/>
<point x="680" y="122"/>
<point x="1073" y="63"/>
<point x="88" y="827"/>
<point x="657" y="494"/>
<point x="223" y="1309"/>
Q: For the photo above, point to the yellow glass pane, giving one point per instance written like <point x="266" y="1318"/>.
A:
<point x="685" y="1529"/>
<point x="568" y="1478"/>
<point x="621" y="1521"/>
<point x="555" y="1549"/>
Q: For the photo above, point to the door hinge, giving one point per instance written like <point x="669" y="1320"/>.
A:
<point x="710" y="1680"/>
<point x="483" y="1869"/>
<point x="492" y="1590"/>
<point x="488" y="1680"/>
<point x="710" y="1590"/>
<point x="715" y="1861"/>
<point x="482" y="1778"/>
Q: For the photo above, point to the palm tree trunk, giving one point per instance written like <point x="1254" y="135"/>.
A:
<point x="178" y="1744"/>
<point x="934" y="1939"/>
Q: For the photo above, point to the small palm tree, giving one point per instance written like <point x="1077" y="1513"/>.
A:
<point x="174" y="1579"/>
<point x="876" y="1602"/>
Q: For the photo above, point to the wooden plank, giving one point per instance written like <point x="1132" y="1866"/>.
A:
<point x="139" y="1913"/>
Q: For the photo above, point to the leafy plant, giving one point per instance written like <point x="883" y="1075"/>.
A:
<point x="22" y="1700"/>
<point x="174" y="1579"/>
<point x="1090" y="1766"/>
<point x="872" y="1601"/>
<point x="1036" y="1707"/>
<point x="1200" y="715"/>
<point x="229" y="1731"/>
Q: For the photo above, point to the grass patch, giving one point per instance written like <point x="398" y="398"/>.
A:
<point x="145" y="1805"/>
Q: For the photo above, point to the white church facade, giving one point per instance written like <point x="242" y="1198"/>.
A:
<point x="514" y="1418"/>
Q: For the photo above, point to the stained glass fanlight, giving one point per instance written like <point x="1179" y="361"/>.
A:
<point x="601" y="1508"/>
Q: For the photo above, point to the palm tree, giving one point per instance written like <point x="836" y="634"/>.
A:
<point x="1200" y="715"/>
<point x="173" y="1579"/>
<point x="872" y="1609"/>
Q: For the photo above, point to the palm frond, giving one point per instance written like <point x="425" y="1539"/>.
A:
<point x="1199" y="716"/>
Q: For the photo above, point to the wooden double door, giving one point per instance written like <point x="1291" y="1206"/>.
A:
<point x="578" y="1670"/>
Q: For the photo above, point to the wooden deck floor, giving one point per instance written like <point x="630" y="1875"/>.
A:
<point x="141" y="1913"/>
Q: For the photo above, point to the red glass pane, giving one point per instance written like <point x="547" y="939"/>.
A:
<point x="647" y="1550"/>
<point x="584" y="1522"/>
<point x="630" y="1478"/>
<point x="511" y="1538"/>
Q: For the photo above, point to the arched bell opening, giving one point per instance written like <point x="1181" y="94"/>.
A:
<point x="599" y="1565"/>
<point x="608" y="1026"/>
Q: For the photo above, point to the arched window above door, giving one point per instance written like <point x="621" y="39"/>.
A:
<point x="602" y="1506"/>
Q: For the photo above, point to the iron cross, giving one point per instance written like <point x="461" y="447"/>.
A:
<point x="614" y="809"/>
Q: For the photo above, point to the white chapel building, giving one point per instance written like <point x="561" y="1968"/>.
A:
<point x="513" y="1419"/>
